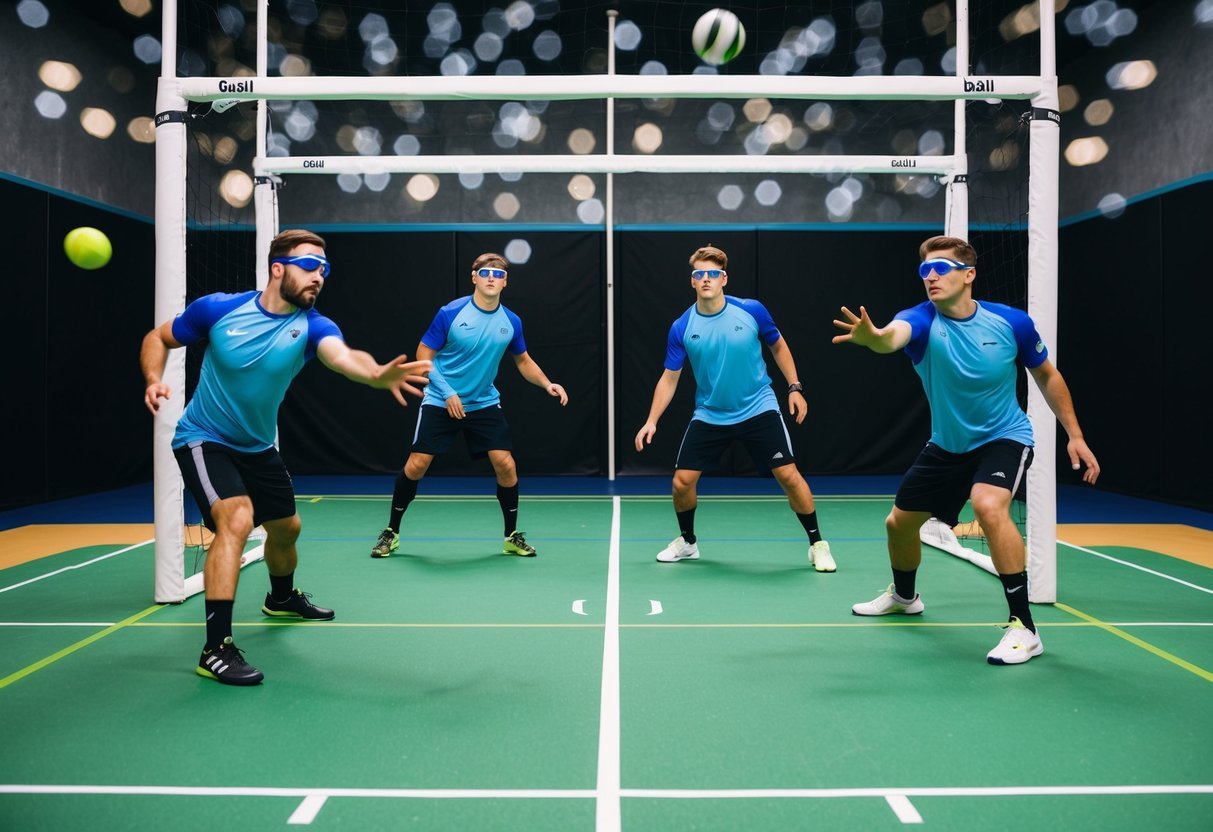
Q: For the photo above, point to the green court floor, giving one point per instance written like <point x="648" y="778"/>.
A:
<point x="594" y="688"/>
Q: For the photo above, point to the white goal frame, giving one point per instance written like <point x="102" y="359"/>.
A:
<point x="171" y="584"/>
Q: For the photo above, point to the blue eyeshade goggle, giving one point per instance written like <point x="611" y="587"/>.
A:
<point x="307" y="262"/>
<point x="939" y="265"/>
<point x="498" y="274"/>
<point x="700" y="274"/>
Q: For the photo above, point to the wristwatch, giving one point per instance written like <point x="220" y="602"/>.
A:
<point x="795" y="387"/>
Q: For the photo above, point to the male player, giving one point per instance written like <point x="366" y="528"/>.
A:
<point x="967" y="354"/>
<point x="224" y="443"/>
<point x="722" y="337"/>
<point x="466" y="342"/>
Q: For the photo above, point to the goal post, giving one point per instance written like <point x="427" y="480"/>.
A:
<point x="962" y="87"/>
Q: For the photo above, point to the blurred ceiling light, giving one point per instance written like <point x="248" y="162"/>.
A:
<point x="582" y="141"/>
<point x="931" y="143"/>
<point x="1098" y="112"/>
<point x="225" y="150"/>
<point x="819" y="116"/>
<point x="349" y="183"/>
<point x="797" y="139"/>
<point x="50" y="104"/>
<point x="147" y="49"/>
<point x="627" y="36"/>
<point x="520" y="14"/>
<point x="488" y="46"/>
<point x="591" y="212"/>
<point x="647" y="138"/>
<point x="406" y="145"/>
<point x="377" y="181"/>
<point x="506" y="205"/>
<point x="1086" y="151"/>
<point x="97" y="122"/>
<point x="1203" y="13"/>
<point x="142" y="129"/>
<point x="547" y="46"/>
<point x="331" y="24"/>
<point x="517" y="251"/>
<point x="581" y="187"/>
<point x="1067" y="97"/>
<point x="302" y="12"/>
<point x="33" y="14"/>
<point x="471" y="181"/>
<point x="231" y="20"/>
<point x="768" y="192"/>
<point x="294" y="66"/>
<point x="236" y="188"/>
<point x="1132" y="75"/>
<point x="59" y="75"/>
<point x="1005" y="156"/>
<point x="1022" y="21"/>
<point x="937" y="19"/>
<point x="1113" y="205"/>
<point x="777" y="128"/>
<point x="757" y="109"/>
<point x="345" y="137"/>
<point x="422" y="186"/>
<point x="136" y="8"/>
<point x="730" y="197"/>
<point x="909" y="66"/>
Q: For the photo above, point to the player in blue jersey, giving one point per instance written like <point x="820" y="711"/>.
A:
<point x="224" y="443"/>
<point x="721" y="337"/>
<point x="967" y="354"/>
<point x="466" y="342"/>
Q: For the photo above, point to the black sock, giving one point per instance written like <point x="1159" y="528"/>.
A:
<point x="402" y="495"/>
<point x="686" y="524"/>
<point x="903" y="583"/>
<point x="218" y="622"/>
<point x="809" y="521"/>
<point x="1015" y="587"/>
<point x="507" y="496"/>
<point x="281" y="586"/>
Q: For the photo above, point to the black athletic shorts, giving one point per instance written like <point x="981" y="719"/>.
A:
<point x="215" y="472"/>
<point x="939" y="482"/>
<point x="765" y="436"/>
<point x="484" y="430"/>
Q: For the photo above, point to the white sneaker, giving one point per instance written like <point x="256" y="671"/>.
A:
<point x="678" y="549"/>
<point x="1017" y="646"/>
<point x="889" y="602"/>
<point x="820" y="557"/>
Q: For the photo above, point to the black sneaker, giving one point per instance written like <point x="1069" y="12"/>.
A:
<point x="226" y="664"/>
<point x="297" y="605"/>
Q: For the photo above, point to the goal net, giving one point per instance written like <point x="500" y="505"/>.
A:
<point x="835" y="113"/>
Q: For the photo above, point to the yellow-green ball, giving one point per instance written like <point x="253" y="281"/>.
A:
<point x="87" y="247"/>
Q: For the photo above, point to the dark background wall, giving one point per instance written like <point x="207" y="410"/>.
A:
<point x="1132" y="290"/>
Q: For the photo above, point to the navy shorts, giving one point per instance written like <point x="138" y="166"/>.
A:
<point x="765" y="436"/>
<point x="939" y="482"/>
<point x="484" y="430"/>
<point x="215" y="472"/>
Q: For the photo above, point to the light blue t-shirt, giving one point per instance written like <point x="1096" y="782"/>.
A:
<point x="469" y="343"/>
<point x="249" y="363"/>
<point x="968" y="370"/>
<point x="725" y="351"/>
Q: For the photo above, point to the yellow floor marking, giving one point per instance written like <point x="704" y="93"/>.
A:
<point x="1175" y="539"/>
<point x="67" y="651"/>
<point x="26" y="543"/>
<point x="1144" y="645"/>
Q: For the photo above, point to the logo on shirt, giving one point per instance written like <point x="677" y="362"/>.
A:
<point x="989" y="343"/>
<point x="504" y="330"/>
<point x="295" y="333"/>
<point x="738" y="328"/>
<point x="463" y="324"/>
<point x="1040" y="347"/>
<point x="999" y="474"/>
<point x="694" y="337"/>
<point x="237" y="332"/>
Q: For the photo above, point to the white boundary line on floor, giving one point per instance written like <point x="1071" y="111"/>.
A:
<point x="1135" y="566"/>
<point x="607" y="809"/>
<point x="78" y="565"/>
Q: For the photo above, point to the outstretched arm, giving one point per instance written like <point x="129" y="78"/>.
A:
<point x="859" y="329"/>
<point x="152" y="357"/>
<point x="399" y="375"/>
<point x="532" y="373"/>
<point x="1057" y="394"/>
<point x="663" y="394"/>
<point x="782" y="353"/>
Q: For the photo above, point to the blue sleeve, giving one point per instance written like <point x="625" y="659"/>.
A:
<point x="1031" y="348"/>
<point x="919" y="318"/>
<point x="517" y="343"/>
<point x="318" y="328"/>
<point x="435" y="336"/>
<point x="195" y="323"/>
<point x="768" y="333"/>
<point x="675" y="348"/>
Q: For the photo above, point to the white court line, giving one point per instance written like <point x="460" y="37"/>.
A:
<point x="78" y="565"/>
<point x="564" y="794"/>
<point x="607" y="810"/>
<point x="306" y="811"/>
<point x="1135" y="566"/>
<point x="903" y="808"/>
<point x="57" y="623"/>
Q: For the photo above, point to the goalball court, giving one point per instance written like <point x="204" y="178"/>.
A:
<point x="594" y="688"/>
